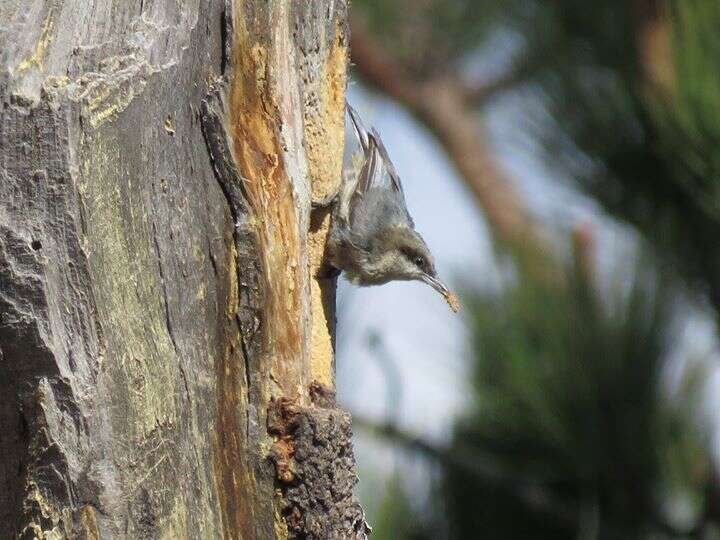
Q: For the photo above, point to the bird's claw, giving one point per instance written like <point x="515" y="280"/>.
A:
<point x="327" y="201"/>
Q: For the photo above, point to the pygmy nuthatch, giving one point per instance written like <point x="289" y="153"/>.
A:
<point x="372" y="237"/>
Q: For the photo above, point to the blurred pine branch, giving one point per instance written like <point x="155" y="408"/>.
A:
<point x="568" y="387"/>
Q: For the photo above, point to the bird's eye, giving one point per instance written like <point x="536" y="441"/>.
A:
<point x="420" y="262"/>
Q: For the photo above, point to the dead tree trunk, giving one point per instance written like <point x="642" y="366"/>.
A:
<point x="165" y="329"/>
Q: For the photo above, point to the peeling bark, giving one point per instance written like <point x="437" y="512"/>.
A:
<point x="314" y="463"/>
<point x="160" y="271"/>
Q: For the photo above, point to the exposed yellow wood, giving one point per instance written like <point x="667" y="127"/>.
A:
<point x="255" y="132"/>
<point x="42" y="45"/>
<point x="324" y="141"/>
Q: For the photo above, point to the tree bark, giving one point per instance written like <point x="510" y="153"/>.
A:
<point x="166" y="365"/>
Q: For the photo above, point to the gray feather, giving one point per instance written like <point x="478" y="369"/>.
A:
<point x="373" y="237"/>
<point x="378" y="192"/>
<point x="360" y="130"/>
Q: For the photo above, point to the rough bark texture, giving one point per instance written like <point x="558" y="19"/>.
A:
<point x="314" y="460"/>
<point x="158" y="263"/>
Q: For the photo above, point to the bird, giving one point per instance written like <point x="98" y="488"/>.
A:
<point x="372" y="236"/>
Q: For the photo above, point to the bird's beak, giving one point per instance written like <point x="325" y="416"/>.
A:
<point x="436" y="284"/>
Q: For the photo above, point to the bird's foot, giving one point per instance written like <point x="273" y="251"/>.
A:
<point x="327" y="201"/>
<point x="329" y="272"/>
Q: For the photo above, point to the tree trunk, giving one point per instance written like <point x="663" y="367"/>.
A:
<point x="165" y="330"/>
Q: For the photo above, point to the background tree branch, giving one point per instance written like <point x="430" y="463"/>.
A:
<point x="446" y="107"/>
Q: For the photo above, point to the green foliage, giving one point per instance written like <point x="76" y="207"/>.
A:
<point x="395" y="520"/>
<point x="648" y="154"/>
<point x="570" y="407"/>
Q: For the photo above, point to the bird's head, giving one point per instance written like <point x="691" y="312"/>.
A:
<point x="404" y="255"/>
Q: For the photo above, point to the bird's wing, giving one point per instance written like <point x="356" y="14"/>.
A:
<point x="378" y="175"/>
<point x="377" y="172"/>
<point x="392" y="174"/>
<point x="380" y="171"/>
<point x="360" y="130"/>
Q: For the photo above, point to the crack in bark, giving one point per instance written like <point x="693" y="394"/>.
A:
<point x="248" y="280"/>
<point x="231" y="183"/>
<point x="166" y="302"/>
<point x="246" y="358"/>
